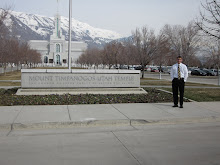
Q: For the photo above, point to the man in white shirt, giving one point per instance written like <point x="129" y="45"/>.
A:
<point x="179" y="75"/>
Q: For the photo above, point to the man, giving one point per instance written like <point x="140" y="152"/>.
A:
<point x="179" y="75"/>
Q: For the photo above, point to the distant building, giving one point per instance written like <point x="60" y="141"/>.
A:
<point x="55" y="51"/>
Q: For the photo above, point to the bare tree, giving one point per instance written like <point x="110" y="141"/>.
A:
<point x="163" y="52"/>
<point x="146" y="44"/>
<point x="184" y="41"/>
<point x="190" y="43"/>
<point x="12" y="51"/>
<point x="82" y="59"/>
<point x="212" y="54"/>
<point x="111" y="54"/>
<point x="145" y="47"/>
<point x="3" y="54"/>
<point x="209" y="21"/>
<point x="129" y="53"/>
<point x="91" y="57"/>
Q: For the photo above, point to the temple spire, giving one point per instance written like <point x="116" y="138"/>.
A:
<point x="58" y="7"/>
<point x="57" y="21"/>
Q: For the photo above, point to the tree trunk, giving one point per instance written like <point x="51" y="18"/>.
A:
<point x="142" y="69"/>
<point x="218" y="76"/>
<point x="5" y="69"/>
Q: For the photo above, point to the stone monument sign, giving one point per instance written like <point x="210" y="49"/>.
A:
<point x="64" y="78"/>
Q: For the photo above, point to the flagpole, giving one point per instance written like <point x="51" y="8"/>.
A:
<point x="70" y="31"/>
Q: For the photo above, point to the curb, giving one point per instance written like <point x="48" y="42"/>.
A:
<point x="5" y="127"/>
<point x="100" y="123"/>
<point x="177" y="121"/>
<point x="50" y="125"/>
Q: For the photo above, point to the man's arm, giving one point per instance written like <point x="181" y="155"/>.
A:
<point x="185" y="73"/>
<point x="171" y="73"/>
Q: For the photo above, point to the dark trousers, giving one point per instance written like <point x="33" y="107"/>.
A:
<point x="178" y="85"/>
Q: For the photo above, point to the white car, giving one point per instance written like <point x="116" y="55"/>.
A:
<point x="215" y="71"/>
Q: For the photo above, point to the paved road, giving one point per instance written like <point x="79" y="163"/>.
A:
<point x="202" y="80"/>
<point x="184" y="144"/>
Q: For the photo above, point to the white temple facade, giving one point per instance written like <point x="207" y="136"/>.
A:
<point x="55" y="51"/>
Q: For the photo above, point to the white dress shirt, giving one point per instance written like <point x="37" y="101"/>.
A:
<point x="183" y="71"/>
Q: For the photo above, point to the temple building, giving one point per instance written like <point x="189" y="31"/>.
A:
<point x="55" y="51"/>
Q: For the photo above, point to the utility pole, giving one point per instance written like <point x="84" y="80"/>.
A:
<point x="70" y="31"/>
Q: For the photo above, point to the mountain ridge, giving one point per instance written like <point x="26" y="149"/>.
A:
<point x="37" y="27"/>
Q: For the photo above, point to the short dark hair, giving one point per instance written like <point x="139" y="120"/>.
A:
<point x="179" y="57"/>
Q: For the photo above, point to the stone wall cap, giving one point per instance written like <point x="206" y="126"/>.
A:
<point x="100" y="71"/>
<point x="129" y="71"/>
<point x="58" y="71"/>
<point x="33" y="70"/>
<point x="83" y="71"/>
<point x="106" y="71"/>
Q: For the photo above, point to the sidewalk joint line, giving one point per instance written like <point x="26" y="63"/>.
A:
<point x="126" y="148"/>
<point x="120" y="112"/>
<point x="69" y="112"/>
<point x="17" y="115"/>
<point x="11" y="129"/>
<point x="130" y="121"/>
<point x="12" y="125"/>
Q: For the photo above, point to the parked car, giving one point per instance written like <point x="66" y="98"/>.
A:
<point x="189" y="70"/>
<point x="154" y="70"/>
<point x="123" y="67"/>
<point x="209" y="72"/>
<point x="147" y="69"/>
<point x="138" y="67"/>
<point x="167" y="69"/>
<point x="132" y="68"/>
<point x="198" y="72"/>
<point x="215" y="71"/>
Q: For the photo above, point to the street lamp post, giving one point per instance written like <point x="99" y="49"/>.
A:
<point x="70" y="31"/>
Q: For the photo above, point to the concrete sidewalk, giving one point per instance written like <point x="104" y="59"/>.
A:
<point x="65" y="116"/>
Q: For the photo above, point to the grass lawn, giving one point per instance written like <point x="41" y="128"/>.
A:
<point x="8" y="98"/>
<point x="169" y="83"/>
<point x="201" y="94"/>
<point x="204" y="77"/>
<point x="15" y="75"/>
<point x="10" y="84"/>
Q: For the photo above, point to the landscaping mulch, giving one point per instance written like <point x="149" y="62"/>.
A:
<point x="8" y="98"/>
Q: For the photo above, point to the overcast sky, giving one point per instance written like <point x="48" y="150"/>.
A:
<point x="121" y="16"/>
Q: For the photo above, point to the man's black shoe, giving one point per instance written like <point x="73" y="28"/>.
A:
<point x="181" y="106"/>
<point x="175" y="106"/>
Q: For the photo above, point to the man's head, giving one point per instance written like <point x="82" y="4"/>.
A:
<point x="179" y="59"/>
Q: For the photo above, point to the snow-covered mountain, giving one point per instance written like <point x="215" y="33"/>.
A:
<point x="37" y="27"/>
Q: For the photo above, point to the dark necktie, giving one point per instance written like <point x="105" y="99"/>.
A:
<point x="179" y="74"/>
